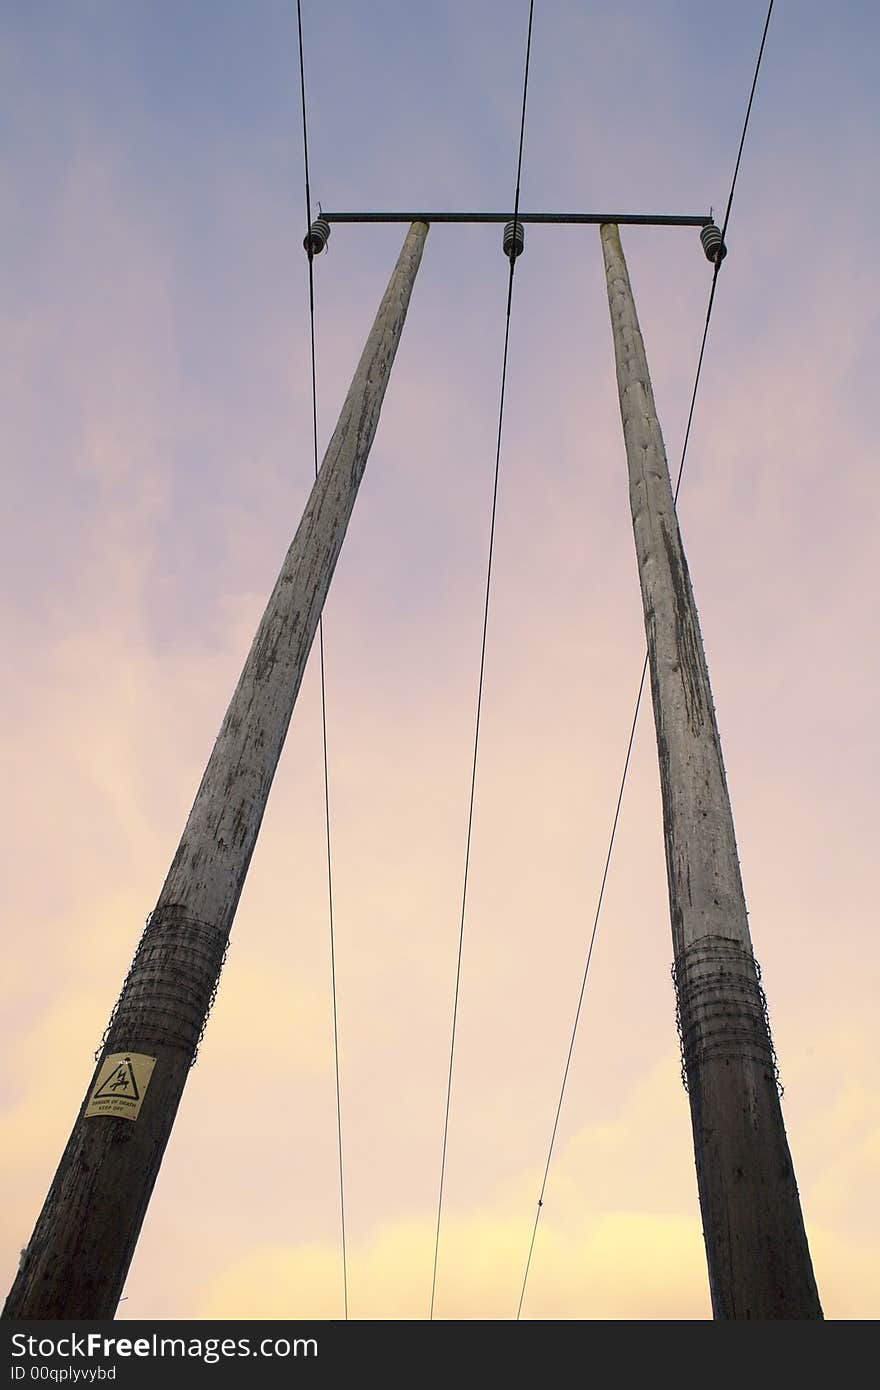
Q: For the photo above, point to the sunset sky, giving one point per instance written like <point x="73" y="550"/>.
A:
<point x="158" y="454"/>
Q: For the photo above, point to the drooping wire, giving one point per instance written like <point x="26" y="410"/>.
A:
<point x="470" y="820"/>
<point x="577" y="1016"/>
<point x="638" y="702"/>
<point x="302" y="81"/>
<point x="746" y="121"/>
<point x="616" y="817"/>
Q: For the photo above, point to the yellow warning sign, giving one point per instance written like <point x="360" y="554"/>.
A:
<point x="121" y="1085"/>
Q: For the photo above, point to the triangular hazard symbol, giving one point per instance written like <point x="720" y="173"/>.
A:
<point x="120" y="1082"/>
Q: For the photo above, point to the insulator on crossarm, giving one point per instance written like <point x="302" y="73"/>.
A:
<point x="712" y="244"/>
<point x="317" y="236"/>
<point x="514" y="239"/>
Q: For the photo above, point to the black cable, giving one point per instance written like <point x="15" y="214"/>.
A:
<point x="629" y="747"/>
<point x="302" y="80"/>
<point x="746" y="121"/>
<point x="687" y="435"/>
<point x="482" y="668"/>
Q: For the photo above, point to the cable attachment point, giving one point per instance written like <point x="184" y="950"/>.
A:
<point x="513" y="240"/>
<point x="317" y="236"/>
<point x="712" y="244"/>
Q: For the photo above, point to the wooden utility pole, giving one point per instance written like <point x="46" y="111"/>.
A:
<point x="756" y="1245"/>
<point x="81" y="1248"/>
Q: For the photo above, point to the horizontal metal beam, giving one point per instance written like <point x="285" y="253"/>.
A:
<point x="639" y="219"/>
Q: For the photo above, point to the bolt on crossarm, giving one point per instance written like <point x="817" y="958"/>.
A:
<point x="84" y="1240"/>
<point x="756" y="1244"/>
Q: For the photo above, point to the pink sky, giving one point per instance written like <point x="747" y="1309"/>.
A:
<point x="157" y="419"/>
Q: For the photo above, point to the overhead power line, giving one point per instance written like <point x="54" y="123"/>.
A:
<point x="626" y="763"/>
<point x="302" y="81"/>
<point x="470" y="819"/>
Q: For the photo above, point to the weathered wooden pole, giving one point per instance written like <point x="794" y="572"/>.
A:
<point x="81" y="1248"/>
<point x="756" y="1245"/>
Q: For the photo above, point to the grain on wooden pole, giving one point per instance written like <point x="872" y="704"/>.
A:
<point x="81" y="1248"/>
<point x="756" y="1245"/>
